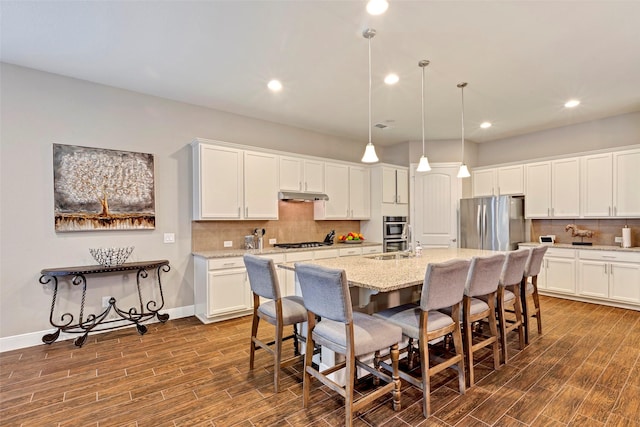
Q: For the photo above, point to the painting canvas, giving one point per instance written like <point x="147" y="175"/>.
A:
<point x="100" y="189"/>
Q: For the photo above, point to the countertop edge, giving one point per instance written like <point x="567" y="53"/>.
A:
<point x="586" y="248"/>
<point x="229" y="253"/>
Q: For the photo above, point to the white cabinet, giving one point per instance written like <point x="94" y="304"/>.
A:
<point x="348" y="190"/>
<point x="553" y="189"/>
<point x="609" y="275"/>
<point x="597" y="185"/>
<point x="299" y="174"/>
<point x="230" y="183"/>
<point x="281" y="273"/>
<point x="367" y="250"/>
<point x="506" y="180"/>
<point x="626" y="178"/>
<point x="395" y="185"/>
<point x="558" y="272"/>
<point x="221" y="289"/>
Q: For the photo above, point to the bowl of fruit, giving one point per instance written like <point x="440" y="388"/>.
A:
<point x="351" y="238"/>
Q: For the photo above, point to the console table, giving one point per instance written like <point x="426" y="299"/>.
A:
<point x="85" y="324"/>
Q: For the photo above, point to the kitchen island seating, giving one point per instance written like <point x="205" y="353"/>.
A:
<point x="529" y="287"/>
<point x="278" y="311"/>
<point x="482" y="281"/>
<point x="509" y="298"/>
<point x="444" y="285"/>
<point x="352" y="334"/>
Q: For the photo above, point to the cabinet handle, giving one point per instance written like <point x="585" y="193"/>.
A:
<point x="300" y="185"/>
<point x="609" y="210"/>
<point x="229" y="263"/>
<point x="351" y="213"/>
<point x="548" y="212"/>
<point x="306" y="186"/>
<point x="238" y="211"/>
<point x="605" y="269"/>
<point x="246" y="211"/>
<point x="615" y="211"/>
<point x="609" y="256"/>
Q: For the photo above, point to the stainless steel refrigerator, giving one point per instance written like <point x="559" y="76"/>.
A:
<point x="493" y="223"/>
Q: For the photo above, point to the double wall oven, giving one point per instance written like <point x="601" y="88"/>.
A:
<point x="394" y="233"/>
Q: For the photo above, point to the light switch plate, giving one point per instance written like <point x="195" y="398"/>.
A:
<point x="272" y="241"/>
<point x="169" y="237"/>
<point x="618" y="239"/>
<point x="228" y="243"/>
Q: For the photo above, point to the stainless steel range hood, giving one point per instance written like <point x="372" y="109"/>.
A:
<point x="299" y="196"/>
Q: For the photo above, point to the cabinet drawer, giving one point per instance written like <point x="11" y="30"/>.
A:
<point x="560" y="253"/>
<point x="326" y="253"/>
<point x="299" y="256"/>
<point x="611" y="256"/>
<point x="371" y="250"/>
<point x="222" y="263"/>
<point x="350" y="251"/>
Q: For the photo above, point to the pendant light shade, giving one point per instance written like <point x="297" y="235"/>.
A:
<point x="423" y="166"/>
<point x="463" y="172"/>
<point x="370" y="151"/>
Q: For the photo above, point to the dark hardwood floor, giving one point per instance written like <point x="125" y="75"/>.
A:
<point x="584" y="371"/>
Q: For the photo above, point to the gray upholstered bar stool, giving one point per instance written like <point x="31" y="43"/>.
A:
<point x="509" y="298"/>
<point x="482" y="282"/>
<point x="278" y="311"/>
<point x="529" y="287"/>
<point x="443" y="287"/>
<point x="352" y="334"/>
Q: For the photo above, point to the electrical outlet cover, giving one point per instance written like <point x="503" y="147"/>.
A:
<point x="228" y="243"/>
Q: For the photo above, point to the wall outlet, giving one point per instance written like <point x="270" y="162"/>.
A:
<point x="228" y="243"/>
<point x="169" y="237"/>
<point x="105" y="302"/>
<point x="272" y="241"/>
<point x="618" y="239"/>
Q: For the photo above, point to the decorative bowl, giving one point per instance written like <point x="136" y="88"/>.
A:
<point x="111" y="257"/>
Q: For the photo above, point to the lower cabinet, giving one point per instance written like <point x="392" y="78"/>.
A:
<point x="221" y="289"/>
<point x="610" y="275"/>
<point x="558" y="272"/>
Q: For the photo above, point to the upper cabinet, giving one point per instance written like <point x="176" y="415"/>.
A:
<point x="300" y="174"/>
<point x="348" y="190"/>
<point x="506" y="180"/>
<point x="626" y="178"/>
<point x="395" y="185"/>
<point x="553" y="189"/>
<point x="230" y="183"/>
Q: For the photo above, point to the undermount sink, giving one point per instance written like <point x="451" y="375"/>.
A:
<point x="390" y="256"/>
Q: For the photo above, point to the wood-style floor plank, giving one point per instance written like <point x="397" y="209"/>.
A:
<point x="583" y="371"/>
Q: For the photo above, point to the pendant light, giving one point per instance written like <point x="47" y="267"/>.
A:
<point x="370" y="151"/>
<point x="423" y="166"/>
<point x="464" y="171"/>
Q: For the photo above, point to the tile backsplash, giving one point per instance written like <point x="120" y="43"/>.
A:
<point x="606" y="230"/>
<point x="295" y="224"/>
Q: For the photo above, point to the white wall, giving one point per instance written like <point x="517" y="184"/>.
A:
<point x="39" y="109"/>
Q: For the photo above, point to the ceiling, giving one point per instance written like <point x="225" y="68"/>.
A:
<point x="522" y="59"/>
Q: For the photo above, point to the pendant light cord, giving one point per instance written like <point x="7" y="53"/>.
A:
<point x="370" y="89"/>
<point x="462" y="86"/>
<point x="422" y="108"/>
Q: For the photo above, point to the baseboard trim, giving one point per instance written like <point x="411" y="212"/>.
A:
<point x="31" y="339"/>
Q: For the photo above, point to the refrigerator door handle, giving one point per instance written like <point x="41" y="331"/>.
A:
<point x="484" y="221"/>
<point x="478" y="223"/>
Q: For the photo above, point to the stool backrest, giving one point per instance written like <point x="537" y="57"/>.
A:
<point x="513" y="268"/>
<point x="484" y="275"/>
<point x="262" y="276"/>
<point x="444" y="284"/>
<point x="325" y="292"/>
<point x="534" y="262"/>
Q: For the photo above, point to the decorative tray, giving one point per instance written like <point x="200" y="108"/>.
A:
<point x="350" y="241"/>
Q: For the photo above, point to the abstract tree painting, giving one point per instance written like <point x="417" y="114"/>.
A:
<point x="100" y="189"/>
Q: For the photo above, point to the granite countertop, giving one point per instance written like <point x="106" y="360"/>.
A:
<point x="228" y="253"/>
<point x="586" y="248"/>
<point x="389" y="275"/>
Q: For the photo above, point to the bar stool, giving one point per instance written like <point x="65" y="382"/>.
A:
<point x="352" y="334"/>
<point x="443" y="286"/>
<point x="278" y="311"/>
<point x="509" y="298"/>
<point x="478" y="304"/>
<point x="529" y="287"/>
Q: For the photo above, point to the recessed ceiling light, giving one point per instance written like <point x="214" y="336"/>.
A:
<point x="274" y="85"/>
<point x="485" y="125"/>
<point x="377" y="7"/>
<point x="391" y="79"/>
<point x="572" y="103"/>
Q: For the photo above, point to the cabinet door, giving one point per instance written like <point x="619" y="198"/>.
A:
<point x="402" y="186"/>
<point x="510" y="180"/>
<point x="229" y="291"/>
<point x="291" y="173"/>
<point x="260" y="185"/>
<point x="561" y="275"/>
<point x="594" y="278"/>
<point x="597" y="185"/>
<point x="388" y="185"/>
<point x="565" y="188"/>
<point x="483" y="182"/>
<point x="220" y="179"/>
<point x="280" y="272"/>
<point x="313" y="176"/>
<point x="538" y="190"/>
<point x="625" y="282"/>
<point x="336" y="180"/>
<point x="359" y="199"/>
<point x="626" y="196"/>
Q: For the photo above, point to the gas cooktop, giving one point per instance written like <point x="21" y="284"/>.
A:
<point x="301" y="245"/>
